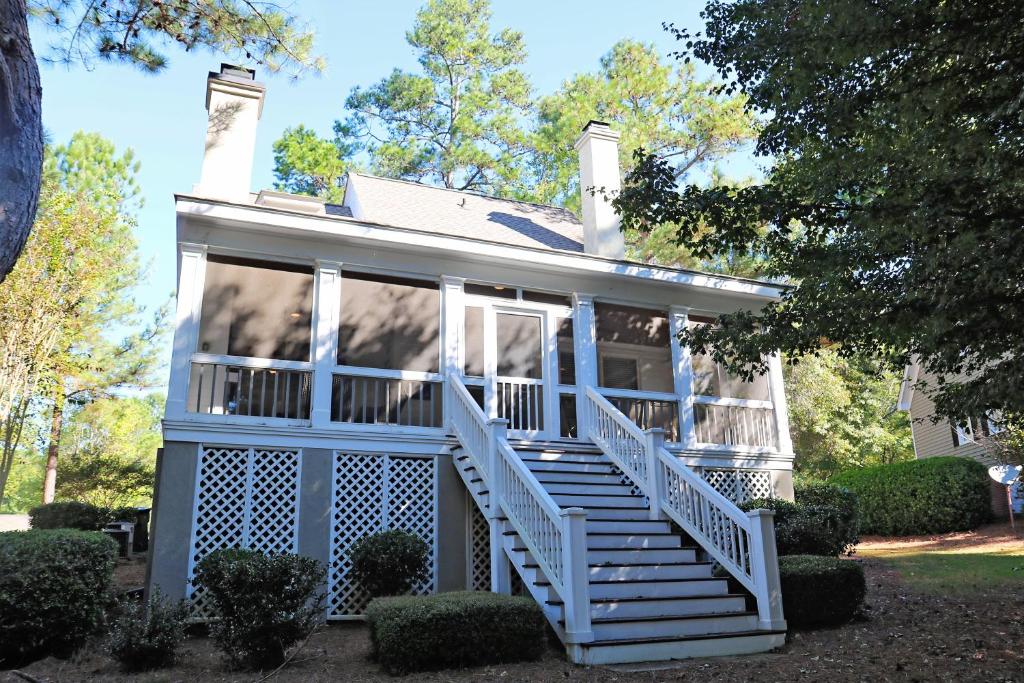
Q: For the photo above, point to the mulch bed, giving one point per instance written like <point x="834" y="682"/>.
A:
<point x="903" y="636"/>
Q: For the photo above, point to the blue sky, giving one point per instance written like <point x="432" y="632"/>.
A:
<point x="163" y="118"/>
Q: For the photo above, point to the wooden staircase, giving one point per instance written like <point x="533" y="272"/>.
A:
<point x="652" y="596"/>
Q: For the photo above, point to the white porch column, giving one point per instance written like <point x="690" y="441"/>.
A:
<point x="453" y="312"/>
<point x="326" y="303"/>
<point x="191" y="276"/>
<point x="682" y="375"/>
<point x="778" y="395"/>
<point x="585" y="342"/>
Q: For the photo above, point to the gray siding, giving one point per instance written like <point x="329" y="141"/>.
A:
<point x="933" y="439"/>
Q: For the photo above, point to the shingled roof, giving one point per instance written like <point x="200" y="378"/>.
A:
<point x="462" y="214"/>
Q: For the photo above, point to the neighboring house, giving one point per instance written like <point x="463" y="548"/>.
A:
<point x="938" y="437"/>
<point x="473" y="370"/>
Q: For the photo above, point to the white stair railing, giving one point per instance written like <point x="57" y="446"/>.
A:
<point x="555" y="537"/>
<point x="742" y="542"/>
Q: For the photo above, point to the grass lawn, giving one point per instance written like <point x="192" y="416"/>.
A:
<point x="960" y="563"/>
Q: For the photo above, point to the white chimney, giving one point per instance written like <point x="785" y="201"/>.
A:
<point x="598" y="147"/>
<point x="234" y="101"/>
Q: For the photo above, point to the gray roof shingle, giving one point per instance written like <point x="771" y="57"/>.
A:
<point x="405" y="204"/>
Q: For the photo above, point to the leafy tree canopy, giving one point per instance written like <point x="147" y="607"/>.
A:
<point x="894" y="202"/>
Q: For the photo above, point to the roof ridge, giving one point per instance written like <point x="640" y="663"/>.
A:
<point x="471" y="193"/>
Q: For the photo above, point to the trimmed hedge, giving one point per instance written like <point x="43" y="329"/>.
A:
<point x="54" y="586"/>
<point x="146" y="635"/>
<point x="69" y="515"/>
<point x="389" y="562"/>
<point x="453" y="630"/>
<point x="822" y="521"/>
<point x="929" y="496"/>
<point x="820" y="591"/>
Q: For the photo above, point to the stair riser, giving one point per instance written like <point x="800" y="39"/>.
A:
<point x="619" y="513"/>
<point x="557" y="487"/>
<point x="546" y="477"/>
<point x="655" y="573"/>
<point x="594" y="467"/>
<point x="675" y="627"/>
<point x="681" y="589"/>
<point x="632" y="541"/>
<point x="642" y="556"/>
<point x="598" y="501"/>
<point x="668" y="608"/>
<point x="630" y="527"/>
<point x="596" y="654"/>
<point x="593" y="458"/>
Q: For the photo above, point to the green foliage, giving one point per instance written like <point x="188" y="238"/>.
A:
<point x="307" y="164"/>
<point x="822" y="521"/>
<point x="928" y="496"/>
<point x="841" y="416"/>
<point x="389" y="562"/>
<point x="132" y="31"/>
<point x="894" y="201"/>
<point x="146" y="635"/>
<point x="110" y="448"/>
<point x="820" y="591"/>
<point x="454" y="630"/>
<point x="53" y="589"/>
<point x="457" y="122"/>
<point x="69" y="515"/>
<point x="90" y="165"/>
<point x="264" y="604"/>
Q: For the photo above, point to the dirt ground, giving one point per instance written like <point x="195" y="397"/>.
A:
<point x="905" y="634"/>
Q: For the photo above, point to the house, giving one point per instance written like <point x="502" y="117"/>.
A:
<point x="489" y="374"/>
<point x="941" y="436"/>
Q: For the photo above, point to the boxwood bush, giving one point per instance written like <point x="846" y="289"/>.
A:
<point x="389" y="562"/>
<point x="262" y="604"/>
<point x="146" y="635"/>
<point x="54" y="586"/>
<point x="822" y="521"/>
<point x="424" y="633"/>
<point x="929" y="496"/>
<point x="69" y="515"/>
<point x="820" y="591"/>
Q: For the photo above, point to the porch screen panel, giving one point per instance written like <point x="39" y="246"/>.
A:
<point x="566" y="352"/>
<point x="256" y="309"/>
<point x="474" y="343"/>
<point x="712" y="379"/>
<point x="389" y="323"/>
<point x="519" y="346"/>
<point x="371" y="493"/>
<point x="245" y="498"/>
<point x="633" y="337"/>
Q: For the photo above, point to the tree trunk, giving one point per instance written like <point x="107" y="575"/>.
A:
<point x="21" y="133"/>
<point x="56" y="426"/>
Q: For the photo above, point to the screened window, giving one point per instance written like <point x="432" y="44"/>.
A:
<point x="712" y="379"/>
<point x="633" y="348"/>
<point x="389" y="323"/>
<point x="474" y="346"/>
<point x="256" y="309"/>
<point x="566" y="352"/>
<point x="519" y="345"/>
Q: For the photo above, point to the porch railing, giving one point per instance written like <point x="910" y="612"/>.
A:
<point x="521" y="402"/>
<point x="647" y="409"/>
<point x="386" y="400"/>
<point x="742" y="542"/>
<point x="555" y="537"/>
<point x="250" y="388"/>
<point x="730" y="422"/>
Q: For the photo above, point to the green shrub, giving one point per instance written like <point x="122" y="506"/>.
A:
<point x="389" y="562"/>
<point x="802" y="529"/>
<point x="846" y="522"/>
<point x="146" y="635"/>
<point x="820" y="591"/>
<point x="54" y="585"/>
<point x="263" y="604"/>
<point x="69" y="515"/>
<point x="424" y="633"/>
<point x="929" y="496"/>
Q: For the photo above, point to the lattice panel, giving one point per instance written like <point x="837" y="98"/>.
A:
<point x="479" y="549"/>
<point x="245" y="498"/>
<point x="373" y="493"/>
<point x="739" y="486"/>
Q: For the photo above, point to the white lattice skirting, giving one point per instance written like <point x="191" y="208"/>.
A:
<point x="372" y="493"/>
<point x="739" y="486"/>
<point x="245" y="498"/>
<point x="479" y="556"/>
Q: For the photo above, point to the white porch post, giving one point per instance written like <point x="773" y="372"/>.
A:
<point x="781" y="408"/>
<point x="682" y="375"/>
<point x="585" y="341"/>
<point x="453" y="312"/>
<point x="326" y="302"/>
<point x="764" y="566"/>
<point x="501" y="571"/>
<point x="191" y="277"/>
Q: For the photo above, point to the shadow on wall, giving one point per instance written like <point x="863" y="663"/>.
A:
<point x="220" y="122"/>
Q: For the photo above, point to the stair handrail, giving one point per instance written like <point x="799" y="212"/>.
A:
<point x="556" y="537"/>
<point x="742" y="542"/>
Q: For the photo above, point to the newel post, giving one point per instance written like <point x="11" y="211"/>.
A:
<point x="655" y="441"/>
<point x="764" y="565"/>
<point x="501" y="572"/>
<point x="576" y="576"/>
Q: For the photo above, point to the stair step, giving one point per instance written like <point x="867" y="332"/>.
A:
<point x="688" y="625"/>
<point x="633" y="526"/>
<point x="589" y="476"/>
<point x="606" y="608"/>
<point x="658" y="588"/>
<point x="565" y="467"/>
<point x="600" y="541"/>
<point x="573" y="488"/>
<point x="649" y="572"/>
<point x="625" y="513"/>
<point x="587" y="501"/>
<point x="632" y="650"/>
<point x="643" y="556"/>
<point x="563" y="457"/>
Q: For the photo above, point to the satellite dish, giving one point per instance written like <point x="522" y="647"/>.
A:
<point x="1005" y="474"/>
